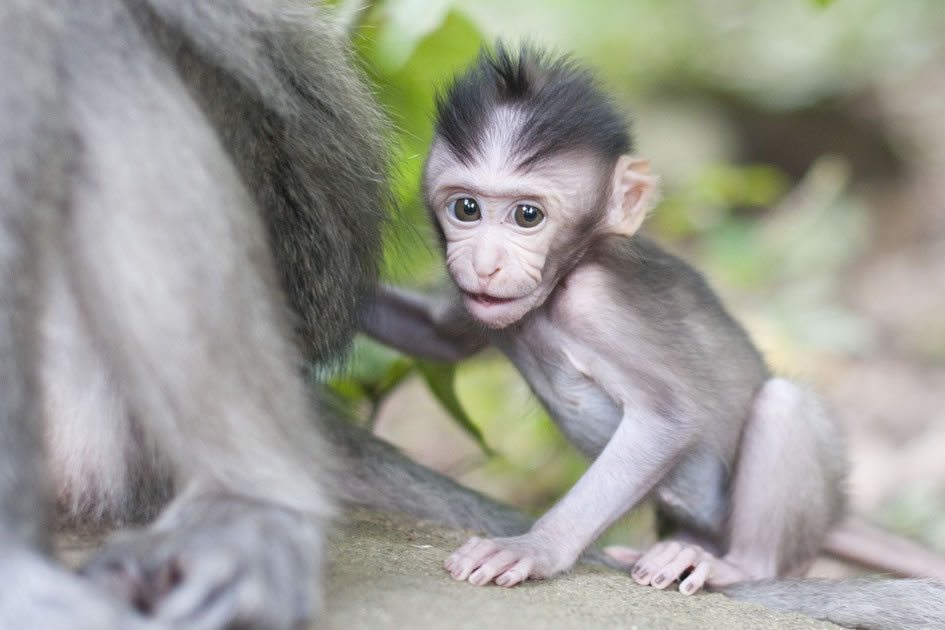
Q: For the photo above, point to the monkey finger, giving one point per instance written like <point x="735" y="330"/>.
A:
<point x="451" y="562"/>
<point x="516" y="574"/>
<point x="686" y="559"/>
<point x="470" y="556"/>
<point x="494" y="566"/>
<point x="696" y="579"/>
<point x="654" y="560"/>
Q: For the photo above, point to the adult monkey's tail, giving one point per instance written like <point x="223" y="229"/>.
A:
<point x="861" y="603"/>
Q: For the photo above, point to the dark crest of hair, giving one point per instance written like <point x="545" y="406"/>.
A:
<point x="561" y="105"/>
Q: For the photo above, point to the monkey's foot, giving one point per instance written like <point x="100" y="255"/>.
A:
<point x="669" y="561"/>
<point x="508" y="561"/>
<point x="35" y="593"/>
<point x="218" y="562"/>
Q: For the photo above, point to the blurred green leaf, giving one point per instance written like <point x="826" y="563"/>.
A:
<point x="395" y="374"/>
<point x="440" y="378"/>
<point x="406" y="74"/>
<point x="370" y="361"/>
<point x="373" y="372"/>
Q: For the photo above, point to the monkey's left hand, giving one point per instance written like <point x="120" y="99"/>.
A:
<point x="219" y="561"/>
<point x="508" y="561"/>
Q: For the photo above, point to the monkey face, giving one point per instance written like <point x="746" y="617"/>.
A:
<point x="508" y="232"/>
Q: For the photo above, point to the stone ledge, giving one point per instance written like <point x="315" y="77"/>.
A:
<point x="386" y="572"/>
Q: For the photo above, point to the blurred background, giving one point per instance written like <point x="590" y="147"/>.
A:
<point x="801" y="145"/>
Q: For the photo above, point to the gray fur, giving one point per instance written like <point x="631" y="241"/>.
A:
<point x="862" y="603"/>
<point x="191" y="201"/>
<point x="376" y="474"/>
<point x="310" y="145"/>
<point x="36" y="140"/>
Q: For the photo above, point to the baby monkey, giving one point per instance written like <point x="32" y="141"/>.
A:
<point x="538" y="201"/>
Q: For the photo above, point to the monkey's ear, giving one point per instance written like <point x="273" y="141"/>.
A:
<point x="635" y="192"/>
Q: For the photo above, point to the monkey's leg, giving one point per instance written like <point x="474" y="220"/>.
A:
<point x="34" y="591"/>
<point x="786" y="494"/>
<point x="174" y="273"/>
<point x="788" y="487"/>
<point x="35" y="150"/>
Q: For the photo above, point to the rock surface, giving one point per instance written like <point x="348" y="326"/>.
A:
<point x="386" y="572"/>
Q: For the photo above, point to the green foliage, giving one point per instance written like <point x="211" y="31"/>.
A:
<point x="375" y="371"/>
<point x="441" y="378"/>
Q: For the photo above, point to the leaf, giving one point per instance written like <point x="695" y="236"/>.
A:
<point x="440" y="377"/>
<point x="395" y="374"/>
<point x="404" y="24"/>
<point x="374" y="370"/>
<point x="371" y="361"/>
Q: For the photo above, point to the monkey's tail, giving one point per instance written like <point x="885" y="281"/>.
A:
<point x="861" y="603"/>
<point x="859" y="542"/>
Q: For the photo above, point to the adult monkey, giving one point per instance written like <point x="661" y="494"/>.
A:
<point x="538" y="202"/>
<point x="147" y="354"/>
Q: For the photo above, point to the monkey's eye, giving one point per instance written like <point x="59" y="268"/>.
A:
<point x="528" y="216"/>
<point x="465" y="209"/>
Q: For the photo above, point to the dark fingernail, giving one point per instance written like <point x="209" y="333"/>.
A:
<point x="659" y="579"/>
<point x="640" y="573"/>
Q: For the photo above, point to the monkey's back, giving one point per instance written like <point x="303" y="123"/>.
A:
<point x="694" y="357"/>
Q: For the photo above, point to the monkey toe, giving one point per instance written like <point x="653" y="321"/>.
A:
<point x="653" y="561"/>
<point x="666" y="562"/>
<point x="626" y="556"/>
<point x="696" y="579"/>
<point x="212" y="591"/>
<point x="256" y="570"/>
<point x="686" y="559"/>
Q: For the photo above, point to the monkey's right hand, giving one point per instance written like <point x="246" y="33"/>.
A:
<point x="35" y="593"/>
<point x="508" y="561"/>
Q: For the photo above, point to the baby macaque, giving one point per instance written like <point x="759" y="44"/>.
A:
<point x="538" y="199"/>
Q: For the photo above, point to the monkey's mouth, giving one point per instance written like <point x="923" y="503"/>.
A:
<point x="495" y="312"/>
<point x="487" y="300"/>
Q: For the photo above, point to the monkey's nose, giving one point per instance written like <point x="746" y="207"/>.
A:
<point x="486" y="277"/>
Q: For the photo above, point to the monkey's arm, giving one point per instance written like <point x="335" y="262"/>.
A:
<point x="638" y="455"/>
<point x="420" y="325"/>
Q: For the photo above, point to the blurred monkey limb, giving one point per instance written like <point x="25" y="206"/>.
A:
<point x="537" y="202"/>
<point x="191" y="200"/>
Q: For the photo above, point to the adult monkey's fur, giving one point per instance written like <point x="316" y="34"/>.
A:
<point x="174" y="176"/>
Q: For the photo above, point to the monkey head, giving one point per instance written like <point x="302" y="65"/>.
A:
<point x="511" y="235"/>
<point x="528" y="166"/>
